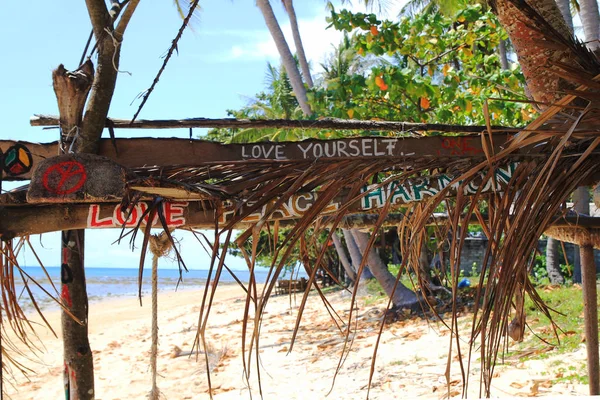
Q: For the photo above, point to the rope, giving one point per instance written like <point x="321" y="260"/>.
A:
<point x="160" y="246"/>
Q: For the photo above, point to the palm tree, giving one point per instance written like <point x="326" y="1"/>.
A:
<point x="289" y="8"/>
<point x="590" y="19"/>
<point x="401" y="296"/>
<point x="286" y="55"/>
<point x="565" y="9"/>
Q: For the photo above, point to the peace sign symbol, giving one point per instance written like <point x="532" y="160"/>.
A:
<point x="64" y="178"/>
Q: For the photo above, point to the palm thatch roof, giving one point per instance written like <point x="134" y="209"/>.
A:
<point x="556" y="153"/>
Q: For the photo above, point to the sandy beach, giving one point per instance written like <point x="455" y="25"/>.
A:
<point x="411" y="361"/>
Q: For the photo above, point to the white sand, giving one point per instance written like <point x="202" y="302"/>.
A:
<point x="411" y="361"/>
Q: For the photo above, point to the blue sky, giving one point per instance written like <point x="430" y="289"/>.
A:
<point x="221" y="65"/>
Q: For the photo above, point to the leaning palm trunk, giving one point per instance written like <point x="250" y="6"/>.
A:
<point x="286" y="55"/>
<point x="339" y="247"/>
<point x="356" y="255"/>
<point x="289" y="8"/>
<point x="401" y="297"/>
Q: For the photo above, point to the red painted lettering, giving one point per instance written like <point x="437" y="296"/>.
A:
<point x="174" y="213"/>
<point x="94" y="220"/>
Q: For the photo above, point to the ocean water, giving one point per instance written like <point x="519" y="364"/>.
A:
<point x="116" y="282"/>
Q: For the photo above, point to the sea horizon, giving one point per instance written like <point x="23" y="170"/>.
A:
<point x="109" y="282"/>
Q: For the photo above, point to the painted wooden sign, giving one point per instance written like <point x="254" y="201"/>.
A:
<point x="21" y="157"/>
<point x="77" y="178"/>
<point x="418" y="189"/>
<point x="109" y="216"/>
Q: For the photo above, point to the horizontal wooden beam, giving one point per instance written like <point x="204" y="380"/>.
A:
<point x="31" y="220"/>
<point x="325" y="123"/>
<point x="140" y="152"/>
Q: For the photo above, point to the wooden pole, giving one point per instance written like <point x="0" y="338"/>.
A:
<point x="590" y="313"/>
<point x="78" y="371"/>
<point x="71" y="89"/>
<point x="325" y="123"/>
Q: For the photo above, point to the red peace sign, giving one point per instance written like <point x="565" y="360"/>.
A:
<point x="64" y="178"/>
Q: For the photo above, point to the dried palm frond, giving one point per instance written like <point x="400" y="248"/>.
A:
<point x="19" y="343"/>
<point x="552" y="160"/>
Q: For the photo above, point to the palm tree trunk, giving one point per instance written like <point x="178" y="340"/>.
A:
<point x="532" y="53"/>
<point x="581" y="200"/>
<point x="552" y="262"/>
<point x="286" y="55"/>
<point x="565" y="9"/>
<point x="339" y="247"/>
<point x="289" y="8"/>
<point x="356" y="255"/>
<point x="503" y="56"/>
<point x="402" y="297"/>
<point x="590" y="19"/>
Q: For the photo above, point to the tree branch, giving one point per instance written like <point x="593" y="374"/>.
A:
<point x="125" y="18"/>
<point x="99" y="16"/>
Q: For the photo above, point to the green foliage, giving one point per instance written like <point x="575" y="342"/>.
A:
<point x="566" y="301"/>
<point x="439" y="69"/>
<point x="429" y="68"/>
<point x="278" y="101"/>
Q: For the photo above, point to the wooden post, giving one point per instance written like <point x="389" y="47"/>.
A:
<point x="590" y="312"/>
<point x="78" y="371"/>
<point x="71" y="89"/>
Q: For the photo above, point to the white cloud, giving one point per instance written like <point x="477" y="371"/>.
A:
<point x="318" y="41"/>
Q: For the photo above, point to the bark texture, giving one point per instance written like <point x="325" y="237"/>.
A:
<point x="71" y="89"/>
<point x="534" y="55"/>
<point x="565" y="9"/>
<point x="402" y="297"/>
<point x="356" y="255"/>
<point x="286" y="55"/>
<point x="590" y="19"/>
<point x="78" y="374"/>
<point x="552" y="262"/>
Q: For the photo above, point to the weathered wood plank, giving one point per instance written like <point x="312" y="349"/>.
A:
<point x="324" y="123"/>
<point x="77" y="178"/>
<point x="140" y="152"/>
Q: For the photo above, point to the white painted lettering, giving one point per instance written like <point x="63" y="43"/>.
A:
<point x="330" y="149"/>
<point x="376" y="151"/>
<point x="279" y="154"/>
<point x="353" y="144"/>
<point x="341" y="148"/>
<point x="390" y="145"/>
<point x="367" y="147"/>
<point x="305" y="150"/>
<point x="318" y="150"/>
<point x="267" y="151"/>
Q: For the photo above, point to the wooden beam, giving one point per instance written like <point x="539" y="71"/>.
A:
<point x="32" y="219"/>
<point x="325" y="123"/>
<point x="140" y="152"/>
